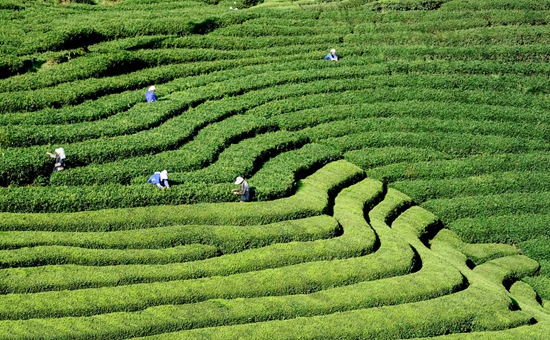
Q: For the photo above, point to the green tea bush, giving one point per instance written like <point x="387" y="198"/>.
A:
<point x="279" y="174"/>
<point x="505" y="228"/>
<point x="48" y="255"/>
<point x="123" y="172"/>
<point x="276" y="179"/>
<point x="357" y="241"/>
<point x="506" y="36"/>
<point x="87" y="111"/>
<point x="368" y="158"/>
<point x="484" y="184"/>
<point x="337" y="299"/>
<point x="230" y="43"/>
<point x="376" y="269"/>
<point x="311" y="199"/>
<point x="139" y="117"/>
<point x="10" y="65"/>
<point x="477" y="253"/>
<point x="488" y="205"/>
<point x="475" y="165"/>
<point x="244" y="158"/>
<point x="496" y="4"/>
<point x="536" y="248"/>
<point x="445" y="101"/>
<point x="227" y="239"/>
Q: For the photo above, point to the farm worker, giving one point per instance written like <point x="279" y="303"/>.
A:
<point x="159" y="179"/>
<point x="332" y="55"/>
<point x="243" y="190"/>
<point x="59" y="159"/>
<point x="150" y="96"/>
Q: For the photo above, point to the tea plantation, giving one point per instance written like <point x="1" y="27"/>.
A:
<point x="401" y="192"/>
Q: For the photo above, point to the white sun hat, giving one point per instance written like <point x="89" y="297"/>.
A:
<point x="61" y="152"/>
<point x="164" y="174"/>
<point x="239" y="180"/>
<point x="152" y="88"/>
<point x="333" y="50"/>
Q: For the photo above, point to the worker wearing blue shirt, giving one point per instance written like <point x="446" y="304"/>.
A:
<point x="332" y="55"/>
<point x="159" y="179"/>
<point x="150" y="96"/>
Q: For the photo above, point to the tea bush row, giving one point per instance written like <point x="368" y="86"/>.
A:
<point x="373" y="157"/>
<point x="60" y="255"/>
<point x="101" y="146"/>
<point x="472" y="36"/>
<point x="329" y="178"/>
<point x="453" y="143"/>
<point x="440" y="20"/>
<point x="24" y="136"/>
<point x="465" y="297"/>
<point x="488" y="205"/>
<point x="139" y="117"/>
<point x="476" y="253"/>
<point x="356" y="46"/>
<point x="276" y="179"/>
<point x="81" y="90"/>
<point x="393" y="93"/>
<point x="196" y="118"/>
<point x="261" y="30"/>
<point x="91" y="110"/>
<point x="421" y="139"/>
<point x="237" y="43"/>
<point x="244" y="158"/>
<point x="88" y="27"/>
<point x="228" y="239"/>
<point x="335" y="299"/>
<point x="496" y="5"/>
<point x="474" y="165"/>
<point x="167" y="318"/>
<point x="380" y="104"/>
<point x="357" y="241"/>
<point x="417" y="136"/>
<point x="484" y="184"/>
<point x="100" y="107"/>
<point x="214" y="242"/>
<point x="310" y="279"/>
<point x="390" y="117"/>
<point x="76" y="92"/>
<point x="506" y="228"/>
<point x="111" y="64"/>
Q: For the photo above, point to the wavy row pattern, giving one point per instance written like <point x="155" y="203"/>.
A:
<point x="401" y="192"/>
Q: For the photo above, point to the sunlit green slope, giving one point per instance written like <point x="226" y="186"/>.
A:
<point x="400" y="192"/>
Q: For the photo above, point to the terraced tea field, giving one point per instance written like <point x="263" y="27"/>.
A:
<point x="399" y="193"/>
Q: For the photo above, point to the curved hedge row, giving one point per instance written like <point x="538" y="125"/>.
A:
<point x="290" y="89"/>
<point x="419" y="101"/>
<point x="310" y="199"/>
<point x="228" y="239"/>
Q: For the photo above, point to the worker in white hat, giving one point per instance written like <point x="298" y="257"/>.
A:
<point x="243" y="190"/>
<point x="59" y="156"/>
<point x="150" y="96"/>
<point x="332" y="55"/>
<point x="160" y="179"/>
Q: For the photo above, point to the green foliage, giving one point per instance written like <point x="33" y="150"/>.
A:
<point x="488" y="205"/>
<point x="339" y="175"/>
<point x="513" y="228"/>
<point x="440" y="103"/>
